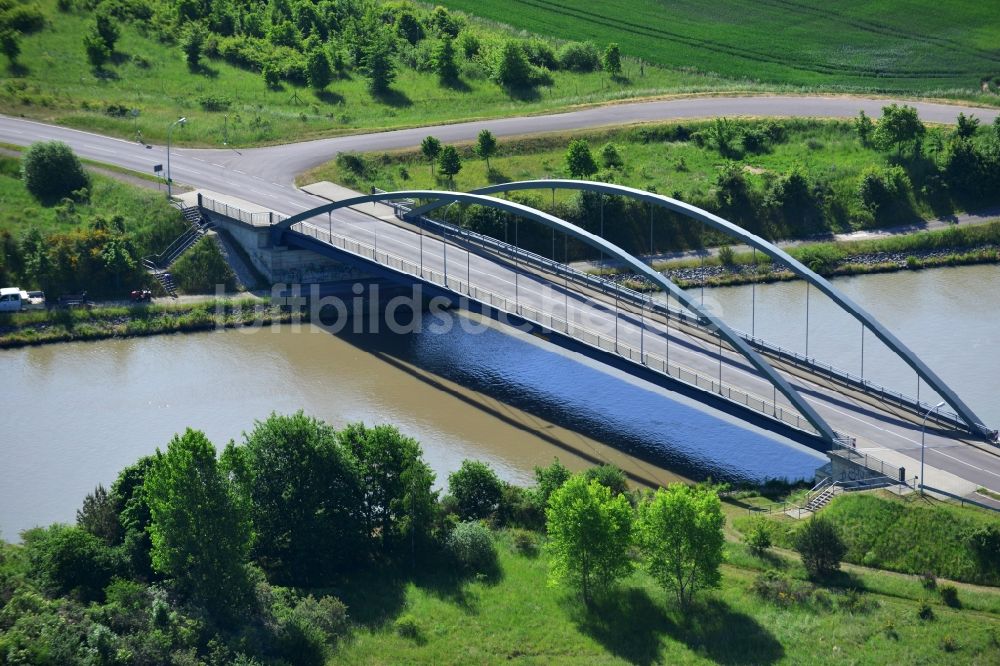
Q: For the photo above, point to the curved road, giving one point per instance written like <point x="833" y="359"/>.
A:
<point x="271" y="171"/>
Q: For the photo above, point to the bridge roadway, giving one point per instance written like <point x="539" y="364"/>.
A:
<point x="218" y="170"/>
<point x="886" y="432"/>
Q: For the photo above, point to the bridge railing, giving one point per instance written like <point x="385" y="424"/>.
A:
<point x="560" y="325"/>
<point x="605" y="286"/>
<point x="254" y="219"/>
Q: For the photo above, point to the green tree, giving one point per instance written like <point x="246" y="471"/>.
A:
<point x="579" y="160"/>
<point x="303" y="493"/>
<point x="550" y="479"/>
<point x="758" y="536"/>
<point x="50" y="171"/>
<point x="680" y="531"/>
<point x="129" y="494"/>
<point x="443" y="60"/>
<point x="318" y="69"/>
<point x="10" y="44"/>
<point x="99" y="516"/>
<point x="69" y="560"/>
<point x="820" y="545"/>
<point x="449" y="163"/>
<point x="899" y="127"/>
<point x="966" y="126"/>
<point x="97" y="51"/>
<point x="590" y="532"/>
<point x="984" y="543"/>
<point x="511" y="68"/>
<point x="611" y="60"/>
<point x="408" y="27"/>
<point x="392" y="486"/>
<point x="609" y="476"/>
<point x="610" y="157"/>
<point x="106" y="25"/>
<point x="272" y="76"/>
<point x="864" y="126"/>
<point x="444" y="23"/>
<point x="486" y="146"/>
<point x="193" y="42"/>
<point x="200" y="535"/>
<point x="430" y="148"/>
<point x="379" y="64"/>
<point x="477" y="490"/>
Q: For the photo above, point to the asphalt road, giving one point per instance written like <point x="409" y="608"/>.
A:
<point x="265" y="176"/>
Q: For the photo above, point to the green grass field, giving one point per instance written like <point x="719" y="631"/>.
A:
<point x="146" y="210"/>
<point x="516" y="617"/>
<point x="919" y="46"/>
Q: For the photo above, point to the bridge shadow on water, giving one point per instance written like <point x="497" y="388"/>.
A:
<point x="645" y="421"/>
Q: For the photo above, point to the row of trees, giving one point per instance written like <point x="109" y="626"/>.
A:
<point x="678" y="531"/>
<point x="306" y="43"/>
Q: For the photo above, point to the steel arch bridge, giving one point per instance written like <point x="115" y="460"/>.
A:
<point x="971" y="420"/>
<point x="736" y="341"/>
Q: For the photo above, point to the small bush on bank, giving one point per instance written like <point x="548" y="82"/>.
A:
<point x="470" y="544"/>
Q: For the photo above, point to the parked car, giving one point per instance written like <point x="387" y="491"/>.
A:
<point x="15" y="299"/>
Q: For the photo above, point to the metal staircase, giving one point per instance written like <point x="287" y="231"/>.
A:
<point x="158" y="265"/>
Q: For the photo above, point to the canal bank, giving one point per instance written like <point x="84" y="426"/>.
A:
<point x="82" y="411"/>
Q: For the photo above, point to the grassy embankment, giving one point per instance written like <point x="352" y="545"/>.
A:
<point x="910" y="535"/>
<point x="74" y="259"/>
<point x="918" y="46"/>
<point x="58" y="84"/>
<point x="863" y="615"/>
<point x="121" y="321"/>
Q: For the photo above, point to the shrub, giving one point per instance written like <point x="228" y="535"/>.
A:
<point x="758" y="537"/>
<point x="408" y="627"/>
<point x="949" y="644"/>
<point x="524" y="542"/>
<point x="820" y="546"/>
<point x="928" y="580"/>
<point x="579" y="57"/>
<point x="856" y="603"/>
<point x="471" y="546"/>
<point x="610" y="477"/>
<point x="51" y="171"/>
<point x="925" y="612"/>
<point x="212" y="102"/>
<point x="780" y="589"/>
<point x="549" y="479"/>
<point x="726" y="255"/>
<point x="520" y="507"/>
<point x="984" y="542"/>
<point x="69" y="559"/>
<point x="477" y="490"/>
<point x="352" y="163"/>
<point x="610" y="157"/>
<point x="949" y="595"/>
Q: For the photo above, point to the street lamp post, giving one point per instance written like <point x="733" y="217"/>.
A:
<point x="923" y="428"/>
<point x="179" y="121"/>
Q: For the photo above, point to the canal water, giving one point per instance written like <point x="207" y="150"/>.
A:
<point x="76" y="413"/>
